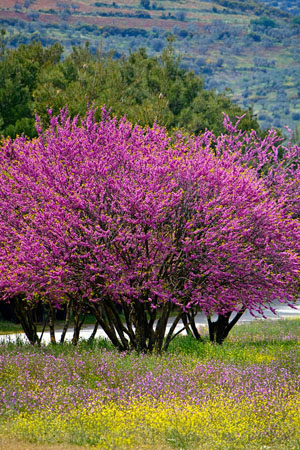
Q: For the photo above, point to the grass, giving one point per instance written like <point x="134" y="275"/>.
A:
<point x="255" y="342"/>
<point x="243" y="395"/>
<point x="7" y="327"/>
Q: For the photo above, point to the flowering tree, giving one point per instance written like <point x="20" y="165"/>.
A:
<point x="279" y="168"/>
<point x="276" y="164"/>
<point x="128" y="222"/>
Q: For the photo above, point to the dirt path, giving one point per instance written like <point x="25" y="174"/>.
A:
<point x="8" y="444"/>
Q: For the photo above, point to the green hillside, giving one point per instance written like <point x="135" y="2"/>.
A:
<point x="250" y="48"/>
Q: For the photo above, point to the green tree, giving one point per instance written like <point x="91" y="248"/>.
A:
<point x="18" y="72"/>
<point x="145" y="89"/>
<point x="2" y="42"/>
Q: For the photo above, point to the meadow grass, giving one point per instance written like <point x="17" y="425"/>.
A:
<point x="242" y="395"/>
<point x="7" y="327"/>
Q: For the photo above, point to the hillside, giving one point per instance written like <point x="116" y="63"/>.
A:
<point x="247" y="47"/>
<point x="292" y="6"/>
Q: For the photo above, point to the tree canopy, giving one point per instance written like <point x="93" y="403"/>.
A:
<point x="114" y="217"/>
<point x="145" y="89"/>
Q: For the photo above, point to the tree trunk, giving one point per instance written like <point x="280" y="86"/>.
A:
<point x="139" y="331"/>
<point x="191" y="316"/>
<point x="77" y="324"/>
<point x="24" y="313"/>
<point x="219" y="330"/>
<point x="92" y="336"/>
<point x="188" y="319"/>
<point x="113" y="315"/>
<point x="185" y="322"/>
<point x="108" y="327"/>
<point x="51" y="324"/>
<point x="139" y="320"/>
<point x="161" y="326"/>
<point x="67" y="321"/>
<point x="42" y="333"/>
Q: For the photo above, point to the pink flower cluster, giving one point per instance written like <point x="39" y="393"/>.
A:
<point x="110" y="210"/>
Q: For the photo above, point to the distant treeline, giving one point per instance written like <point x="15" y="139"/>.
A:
<point x="145" y="89"/>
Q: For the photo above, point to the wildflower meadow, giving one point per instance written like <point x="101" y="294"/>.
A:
<point x="242" y="395"/>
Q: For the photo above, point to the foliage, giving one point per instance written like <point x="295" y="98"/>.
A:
<point x="268" y="84"/>
<point x="277" y="164"/>
<point x="117" y="218"/>
<point x="292" y="6"/>
<point x="265" y="22"/>
<point x="18" y="72"/>
<point x="296" y="20"/>
<point x="146" y="89"/>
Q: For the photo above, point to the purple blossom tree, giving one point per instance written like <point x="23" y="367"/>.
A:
<point x="132" y="224"/>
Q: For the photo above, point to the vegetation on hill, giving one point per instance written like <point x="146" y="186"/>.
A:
<point x="291" y="6"/>
<point x="249" y="47"/>
<point x="146" y="89"/>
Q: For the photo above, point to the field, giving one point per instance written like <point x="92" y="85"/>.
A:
<point x="243" y="395"/>
<point x="250" y="48"/>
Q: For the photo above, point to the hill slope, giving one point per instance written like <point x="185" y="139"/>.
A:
<point x="292" y="6"/>
<point x="245" y="46"/>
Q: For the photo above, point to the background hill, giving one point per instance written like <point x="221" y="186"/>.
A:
<point x="250" y="48"/>
<point x="292" y="6"/>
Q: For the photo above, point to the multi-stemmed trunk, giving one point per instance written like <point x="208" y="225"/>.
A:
<point x="141" y="327"/>
<point x="25" y="314"/>
<point x="220" y="328"/>
<point x="138" y="326"/>
<point x="135" y="325"/>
